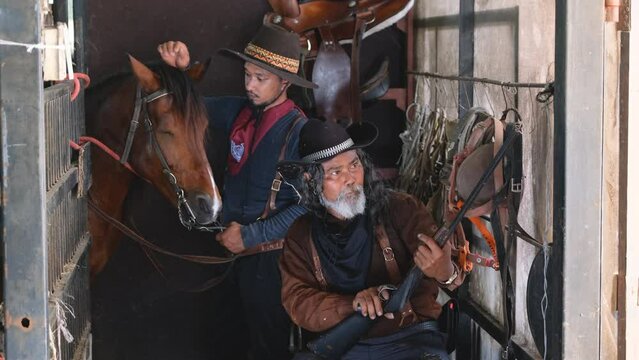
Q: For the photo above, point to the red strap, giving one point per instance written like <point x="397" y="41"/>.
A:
<point x="490" y="240"/>
<point x="466" y="259"/>
<point x="76" y="84"/>
<point x="103" y="147"/>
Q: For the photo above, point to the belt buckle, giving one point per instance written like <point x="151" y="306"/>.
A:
<point x="389" y="255"/>
<point x="275" y="186"/>
<point x="515" y="186"/>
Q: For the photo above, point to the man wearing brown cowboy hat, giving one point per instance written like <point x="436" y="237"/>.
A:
<point x="357" y="238"/>
<point x="257" y="207"/>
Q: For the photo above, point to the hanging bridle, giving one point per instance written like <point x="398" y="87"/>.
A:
<point x="185" y="212"/>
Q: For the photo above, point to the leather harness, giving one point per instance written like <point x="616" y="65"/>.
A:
<point x="389" y="261"/>
<point x="140" y="107"/>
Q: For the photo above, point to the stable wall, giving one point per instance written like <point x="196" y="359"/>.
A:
<point x="514" y="41"/>
<point x="115" y="28"/>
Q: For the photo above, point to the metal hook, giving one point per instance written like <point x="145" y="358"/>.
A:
<point x="503" y="92"/>
<point x="489" y="99"/>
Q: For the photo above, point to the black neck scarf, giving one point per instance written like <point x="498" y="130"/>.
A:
<point x="344" y="249"/>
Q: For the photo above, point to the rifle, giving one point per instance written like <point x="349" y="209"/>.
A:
<point x="337" y="341"/>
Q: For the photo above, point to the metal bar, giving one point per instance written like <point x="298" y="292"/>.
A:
<point x="480" y="80"/>
<point x="632" y="190"/>
<point x="490" y="325"/>
<point x="486" y="17"/>
<point x="69" y="296"/>
<point x="466" y="55"/>
<point x="23" y="183"/>
<point x="485" y="320"/>
<point x="79" y="15"/>
<point x="579" y="52"/>
<point x="624" y="85"/>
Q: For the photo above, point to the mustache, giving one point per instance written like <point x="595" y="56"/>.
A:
<point x="353" y="190"/>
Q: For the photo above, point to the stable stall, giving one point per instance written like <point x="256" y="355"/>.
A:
<point x="557" y="280"/>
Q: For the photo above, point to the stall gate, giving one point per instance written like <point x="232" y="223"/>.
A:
<point x="44" y="207"/>
<point x="67" y="177"/>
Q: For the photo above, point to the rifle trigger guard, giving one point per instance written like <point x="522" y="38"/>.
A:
<point x="384" y="287"/>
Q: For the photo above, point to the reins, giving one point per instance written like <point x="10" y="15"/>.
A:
<point x="185" y="213"/>
<point x="200" y="259"/>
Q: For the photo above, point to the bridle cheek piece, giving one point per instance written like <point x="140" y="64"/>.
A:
<point x="185" y="212"/>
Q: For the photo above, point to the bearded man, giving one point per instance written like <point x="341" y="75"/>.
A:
<point x="357" y="239"/>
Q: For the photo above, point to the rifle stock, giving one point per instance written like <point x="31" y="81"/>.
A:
<point x="342" y="337"/>
<point x="337" y="341"/>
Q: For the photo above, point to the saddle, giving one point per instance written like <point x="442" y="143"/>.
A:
<point x="323" y="25"/>
<point x="480" y="140"/>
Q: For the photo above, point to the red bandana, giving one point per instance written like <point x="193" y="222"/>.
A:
<point x="245" y="138"/>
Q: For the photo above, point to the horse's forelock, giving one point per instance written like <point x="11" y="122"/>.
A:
<point x="186" y="98"/>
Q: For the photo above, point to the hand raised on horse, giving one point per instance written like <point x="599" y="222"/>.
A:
<point x="231" y="238"/>
<point x="175" y="53"/>
<point x="434" y="261"/>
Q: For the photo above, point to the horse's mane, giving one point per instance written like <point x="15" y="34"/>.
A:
<point x="186" y="98"/>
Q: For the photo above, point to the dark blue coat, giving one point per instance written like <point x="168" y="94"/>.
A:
<point x="245" y="194"/>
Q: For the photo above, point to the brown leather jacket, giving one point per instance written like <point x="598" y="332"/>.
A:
<point x="312" y="307"/>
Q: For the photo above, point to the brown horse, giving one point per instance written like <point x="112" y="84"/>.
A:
<point x="169" y="154"/>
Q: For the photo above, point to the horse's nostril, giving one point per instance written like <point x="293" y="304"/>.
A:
<point x="204" y="205"/>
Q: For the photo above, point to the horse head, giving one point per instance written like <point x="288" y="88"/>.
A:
<point x="171" y="153"/>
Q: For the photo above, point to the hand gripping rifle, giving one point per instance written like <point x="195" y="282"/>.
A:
<point x="337" y="341"/>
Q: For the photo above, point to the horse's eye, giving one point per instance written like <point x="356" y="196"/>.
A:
<point x="166" y="132"/>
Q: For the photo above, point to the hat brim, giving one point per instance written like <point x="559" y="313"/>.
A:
<point x="292" y="78"/>
<point x="362" y="134"/>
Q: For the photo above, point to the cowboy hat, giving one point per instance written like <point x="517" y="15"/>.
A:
<point x="471" y="170"/>
<point x="322" y="140"/>
<point x="276" y="50"/>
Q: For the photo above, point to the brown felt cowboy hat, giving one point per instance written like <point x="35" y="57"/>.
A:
<point x="323" y="140"/>
<point x="276" y="50"/>
<point x="471" y="170"/>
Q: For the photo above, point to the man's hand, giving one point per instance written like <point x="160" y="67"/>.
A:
<point x="231" y="238"/>
<point x="368" y="302"/>
<point x="175" y="53"/>
<point x="435" y="262"/>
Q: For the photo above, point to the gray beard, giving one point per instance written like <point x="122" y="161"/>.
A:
<point x="344" y="206"/>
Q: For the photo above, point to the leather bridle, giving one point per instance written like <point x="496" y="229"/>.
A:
<point x="185" y="212"/>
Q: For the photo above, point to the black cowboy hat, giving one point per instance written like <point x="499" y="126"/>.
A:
<point x="276" y="50"/>
<point x="322" y="140"/>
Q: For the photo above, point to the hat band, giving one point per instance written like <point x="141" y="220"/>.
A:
<point x="331" y="151"/>
<point x="281" y="62"/>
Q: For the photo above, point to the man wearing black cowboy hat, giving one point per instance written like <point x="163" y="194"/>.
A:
<point x="357" y="238"/>
<point x="257" y="207"/>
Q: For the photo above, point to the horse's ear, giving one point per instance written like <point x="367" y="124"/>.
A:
<point x="197" y="71"/>
<point x="149" y="81"/>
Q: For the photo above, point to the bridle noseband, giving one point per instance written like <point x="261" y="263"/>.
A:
<point x="185" y="212"/>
